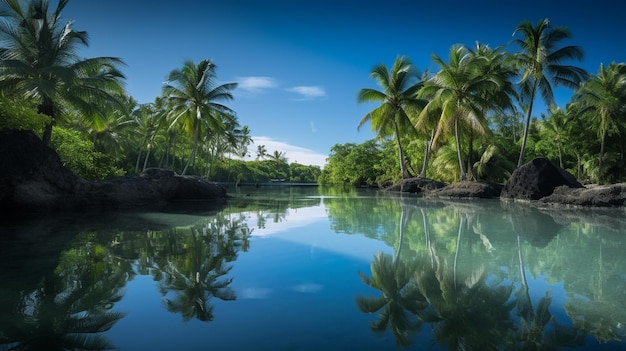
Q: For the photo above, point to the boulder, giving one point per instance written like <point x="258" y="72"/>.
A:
<point x="416" y="185"/>
<point x="469" y="189"/>
<point x="537" y="179"/>
<point x="33" y="178"/>
<point x="598" y="196"/>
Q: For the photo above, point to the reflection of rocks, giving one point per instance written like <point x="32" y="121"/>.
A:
<point x="32" y="178"/>
<point x="536" y="227"/>
<point x="537" y="179"/>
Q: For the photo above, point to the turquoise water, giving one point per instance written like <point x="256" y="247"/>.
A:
<point x="307" y="268"/>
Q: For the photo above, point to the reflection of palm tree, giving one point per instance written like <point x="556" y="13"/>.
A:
<point x="196" y="276"/>
<point x="63" y="314"/>
<point x="400" y="300"/>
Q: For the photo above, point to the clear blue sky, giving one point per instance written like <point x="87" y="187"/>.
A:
<point x="300" y="64"/>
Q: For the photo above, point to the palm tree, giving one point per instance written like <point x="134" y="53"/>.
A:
<point x="462" y="92"/>
<point x="40" y="61"/>
<point x="193" y="92"/>
<point x="261" y="152"/>
<point x="398" y="100"/>
<point x="540" y="63"/>
<point x="555" y="124"/>
<point x="603" y="97"/>
<point x="279" y="156"/>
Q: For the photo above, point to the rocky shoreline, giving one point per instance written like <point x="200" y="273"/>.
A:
<point x="538" y="182"/>
<point x="33" y="179"/>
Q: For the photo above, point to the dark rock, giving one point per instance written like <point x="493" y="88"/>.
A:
<point x="416" y="185"/>
<point x="469" y="189"/>
<point x="598" y="196"/>
<point x="32" y="178"/>
<point x="537" y="179"/>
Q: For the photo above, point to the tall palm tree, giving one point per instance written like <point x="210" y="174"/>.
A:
<point x="462" y="92"/>
<point x="398" y="101"/>
<point x="194" y="95"/>
<point x="539" y="61"/>
<point x="39" y="60"/>
<point x="603" y="97"/>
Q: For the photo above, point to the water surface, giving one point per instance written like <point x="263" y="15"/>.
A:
<point x="307" y="268"/>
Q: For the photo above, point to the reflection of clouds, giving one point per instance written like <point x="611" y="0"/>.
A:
<point x="294" y="218"/>
<point x="254" y="293"/>
<point x="308" y="288"/>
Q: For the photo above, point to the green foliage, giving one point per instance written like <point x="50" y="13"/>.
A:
<point x="78" y="155"/>
<point x="303" y="174"/>
<point x="21" y="115"/>
<point x="354" y="164"/>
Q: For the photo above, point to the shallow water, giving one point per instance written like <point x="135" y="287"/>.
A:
<point x="307" y="268"/>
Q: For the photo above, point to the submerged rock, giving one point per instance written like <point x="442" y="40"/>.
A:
<point x="33" y="178"/>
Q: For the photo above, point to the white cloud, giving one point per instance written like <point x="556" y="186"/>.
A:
<point x="313" y="127"/>
<point x="256" y="84"/>
<point x="308" y="92"/>
<point x="293" y="153"/>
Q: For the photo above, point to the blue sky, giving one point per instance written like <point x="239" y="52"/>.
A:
<point x="300" y="64"/>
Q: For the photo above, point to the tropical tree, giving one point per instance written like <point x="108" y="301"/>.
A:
<point x="279" y="156"/>
<point x="463" y="91"/>
<point x="540" y="63"/>
<point x="261" y="152"/>
<point x="603" y="98"/>
<point x="398" y="101"/>
<point x="39" y="60"/>
<point x="195" y="96"/>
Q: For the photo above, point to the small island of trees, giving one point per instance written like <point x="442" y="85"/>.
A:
<point x="470" y="120"/>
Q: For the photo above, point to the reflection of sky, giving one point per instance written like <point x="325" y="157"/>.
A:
<point x="310" y="226"/>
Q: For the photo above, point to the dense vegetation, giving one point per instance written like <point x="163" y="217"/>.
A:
<point x="471" y="119"/>
<point x="80" y="108"/>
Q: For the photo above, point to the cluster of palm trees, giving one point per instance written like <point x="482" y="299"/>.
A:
<point x="39" y="65"/>
<point x="475" y="87"/>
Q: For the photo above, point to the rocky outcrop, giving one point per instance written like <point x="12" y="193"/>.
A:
<point x="537" y="179"/>
<point x="597" y="196"/>
<point x="416" y="185"/>
<point x="33" y="178"/>
<point x="469" y="189"/>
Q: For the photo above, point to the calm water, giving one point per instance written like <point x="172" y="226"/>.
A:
<point x="317" y="269"/>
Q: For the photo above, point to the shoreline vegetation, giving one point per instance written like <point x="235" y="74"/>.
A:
<point x="464" y="124"/>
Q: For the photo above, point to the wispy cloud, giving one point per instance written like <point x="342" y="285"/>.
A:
<point x="308" y="92"/>
<point x="313" y="127"/>
<point x="293" y="153"/>
<point x="256" y="84"/>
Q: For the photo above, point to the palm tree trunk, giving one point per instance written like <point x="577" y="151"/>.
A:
<point x="47" y="108"/>
<point x="196" y="136"/>
<point x="601" y="158"/>
<point x="527" y="125"/>
<point x="138" y="160"/>
<point x="403" y="168"/>
<point x="427" y="147"/>
<point x="470" y="166"/>
<point x="145" y="161"/>
<point x="458" y="148"/>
